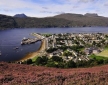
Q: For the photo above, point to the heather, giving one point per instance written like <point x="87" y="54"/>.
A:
<point x="16" y="74"/>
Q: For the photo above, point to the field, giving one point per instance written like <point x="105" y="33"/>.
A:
<point x="104" y="53"/>
<point x="98" y="57"/>
<point x="16" y="74"/>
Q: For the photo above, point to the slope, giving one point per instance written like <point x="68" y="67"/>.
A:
<point x="14" y="74"/>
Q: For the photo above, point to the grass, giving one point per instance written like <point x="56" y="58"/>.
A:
<point x="33" y="59"/>
<point x="104" y="53"/>
<point x="98" y="57"/>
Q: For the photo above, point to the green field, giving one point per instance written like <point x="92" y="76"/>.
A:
<point x="98" y="57"/>
<point x="104" y="53"/>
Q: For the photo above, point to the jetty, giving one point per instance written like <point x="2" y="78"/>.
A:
<point x="38" y="35"/>
<point x="40" y="51"/>
<point x="29" y="41"/>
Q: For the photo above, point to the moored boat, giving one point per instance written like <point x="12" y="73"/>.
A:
<point x="0" y="53"/>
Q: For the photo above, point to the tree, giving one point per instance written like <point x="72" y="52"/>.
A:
<point x="41" y="60"/>
<point x="29" y="61"/>
<point x="56" y="58"/>
<point x="51" y="63"/>
<point x="81" y="63"/>
<point x="70" y="64"/>
<point x="94" y="43"/>
<point x="38" y="61"/>
<point x="100" y="61"/>
<point x="44" y="60"/>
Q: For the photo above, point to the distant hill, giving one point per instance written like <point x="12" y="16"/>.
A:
<point x="20" y="15"/>
<point x="62" y="20"/>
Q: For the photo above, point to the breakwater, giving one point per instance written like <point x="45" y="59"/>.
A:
<point x="29" y="41"/>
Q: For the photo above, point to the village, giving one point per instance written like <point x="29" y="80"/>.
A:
<point x="75" y="46"/>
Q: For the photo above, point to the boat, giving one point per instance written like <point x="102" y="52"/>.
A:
<point x="0" y="53"/>
<point x="16" y="48"/>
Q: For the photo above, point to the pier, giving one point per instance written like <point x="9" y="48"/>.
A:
<point x="29" y="41"/>
<point x="38" y="36"/>
<point x="40" y="51"/>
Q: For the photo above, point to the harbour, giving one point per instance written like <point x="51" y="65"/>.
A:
<point x="10" y="40"/>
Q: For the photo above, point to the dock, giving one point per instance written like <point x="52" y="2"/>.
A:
<point x="29" y="41"/>
<point x="38" y="36"/>
<point x="40" y="51"/>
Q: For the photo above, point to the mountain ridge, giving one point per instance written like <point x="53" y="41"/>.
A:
<point x="61" y="21"/>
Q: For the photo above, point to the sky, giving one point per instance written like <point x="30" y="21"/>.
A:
<point x="46" y="8"/>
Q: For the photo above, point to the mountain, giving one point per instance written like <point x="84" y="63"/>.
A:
<point x="61" y="21"/>
<point x="86" y="20"/>
<point x="20" y="15"/>
<point x="41" y="22"/>
<point x="15" y="74"/>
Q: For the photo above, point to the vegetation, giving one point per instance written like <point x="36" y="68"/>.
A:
<point x="98" y="57"/>
<point x="104" y="53"/>
<point x="7" y="22"/>
<point x="14" y="74"/>
<point x="56" y="61"/>
<point x="41" y="22"/>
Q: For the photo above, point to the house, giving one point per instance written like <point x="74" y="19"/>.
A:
<point x="92" y="50"/>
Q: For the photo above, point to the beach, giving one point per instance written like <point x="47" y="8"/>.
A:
<point x="39" y="52"/>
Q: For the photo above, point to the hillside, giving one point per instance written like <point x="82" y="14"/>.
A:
<point x="62" y="20"/>
<point x="7" y="22"/>
<point x="40" y="22"/>
<point x="87" y="19"/>
<point x="14" y="74"/>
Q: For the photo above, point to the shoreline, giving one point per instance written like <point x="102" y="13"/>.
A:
<point x="34" y="54"/>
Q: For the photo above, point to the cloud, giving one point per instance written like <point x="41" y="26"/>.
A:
<point x="42" y="8"/>
<point x="86" y="1"/>
<point x="7" y="10"/>
<point x="45" y="12"/>
<point x="106" y="4"/>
